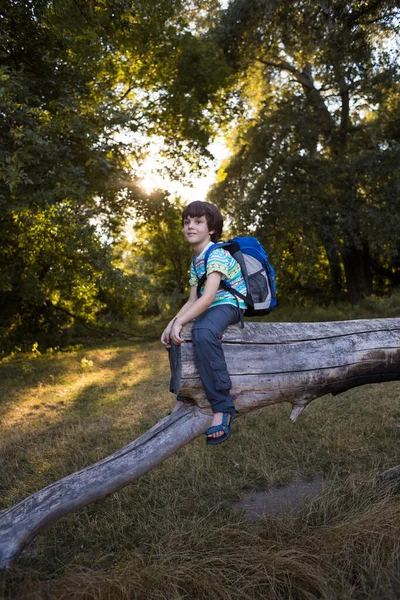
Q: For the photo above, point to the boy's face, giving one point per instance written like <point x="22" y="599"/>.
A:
<point x="195" y="230"/>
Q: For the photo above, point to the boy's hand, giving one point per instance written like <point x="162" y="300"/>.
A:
<point x="176" y="332"/>
<point x="166" y="336"/>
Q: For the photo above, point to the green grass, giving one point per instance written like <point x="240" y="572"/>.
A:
<point x="173" y="534"/>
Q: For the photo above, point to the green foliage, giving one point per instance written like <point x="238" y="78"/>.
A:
<point x="159" y="256"/>
<point x="60" y="168"/>
<point x="315" y="171"/>
<point x="59" y="102"/>
<point x="72" y="76"/>
<point x="56" y="270"/>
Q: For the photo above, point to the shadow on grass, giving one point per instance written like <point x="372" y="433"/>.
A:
<point x="22" y="375"/>
<point x="98" y="419"/>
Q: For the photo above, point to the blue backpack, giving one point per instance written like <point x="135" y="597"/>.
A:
<point x="257" y="271"/>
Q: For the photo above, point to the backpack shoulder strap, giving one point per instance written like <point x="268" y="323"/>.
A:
<point x="194" y="265"/>
<point x="201" y="280"/>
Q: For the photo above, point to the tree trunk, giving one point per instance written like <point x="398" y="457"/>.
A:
<point x="296" y="362"/>
<point x="335" y="269"/>
<point x="357" y="268"/>
<point x="268" y="363"/>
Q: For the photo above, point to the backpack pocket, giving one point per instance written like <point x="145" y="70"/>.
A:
<point x="259" y="287"/>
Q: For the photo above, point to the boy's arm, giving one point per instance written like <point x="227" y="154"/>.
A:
<point x="166" y="335"/>
<point x="196" y="308"/>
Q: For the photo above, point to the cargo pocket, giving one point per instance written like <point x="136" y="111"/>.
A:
<point x="221" y="375"/>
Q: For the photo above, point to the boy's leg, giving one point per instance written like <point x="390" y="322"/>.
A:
<point x="209" y="355"/>
<point x="180" y="400"/>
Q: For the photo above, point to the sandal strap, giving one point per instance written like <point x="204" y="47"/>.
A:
<point x="216" y="428"/>
<point x="224" y="426"/>
<point x="226" y="419"/>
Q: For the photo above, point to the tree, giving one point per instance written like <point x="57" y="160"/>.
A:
<point x="316" y="159"/>
<point x="159" y="254"/>
<point x="73" y="75"/>
<point x="60" y="166"/>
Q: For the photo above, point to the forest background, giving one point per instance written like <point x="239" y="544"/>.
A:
<point x="306" y="96"/>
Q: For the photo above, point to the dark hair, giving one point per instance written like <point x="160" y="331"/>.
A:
<point x="213" y="217"/>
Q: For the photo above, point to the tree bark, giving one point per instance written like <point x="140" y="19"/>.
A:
<point x="267" y="362"/>
<point x="357" y="268"/>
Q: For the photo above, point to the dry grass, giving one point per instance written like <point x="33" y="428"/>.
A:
<point x="173" y="534"/>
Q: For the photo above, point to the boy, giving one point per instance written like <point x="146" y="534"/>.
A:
<point x="216" y="309"/>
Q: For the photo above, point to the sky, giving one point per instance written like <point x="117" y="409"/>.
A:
<point x="152" y="176"/>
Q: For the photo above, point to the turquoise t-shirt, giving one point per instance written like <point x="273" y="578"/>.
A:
<point x="222" y="261"/>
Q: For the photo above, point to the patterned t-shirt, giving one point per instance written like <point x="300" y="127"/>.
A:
<point x="222" y="261"/>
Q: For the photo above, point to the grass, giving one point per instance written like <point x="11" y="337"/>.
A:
<point x="173" y="533"/>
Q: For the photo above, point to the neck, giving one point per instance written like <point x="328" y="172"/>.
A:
<point x="198" y="248"/>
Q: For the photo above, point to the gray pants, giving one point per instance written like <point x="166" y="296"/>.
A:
<point x="209" y="356"/>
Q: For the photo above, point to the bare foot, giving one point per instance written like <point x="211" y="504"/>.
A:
<point x="178" y="405"/>
<point x="217" y="420"/>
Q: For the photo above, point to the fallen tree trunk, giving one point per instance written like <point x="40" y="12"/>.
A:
<point x="268" y="363"/>
<point x="297" y="362"/>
